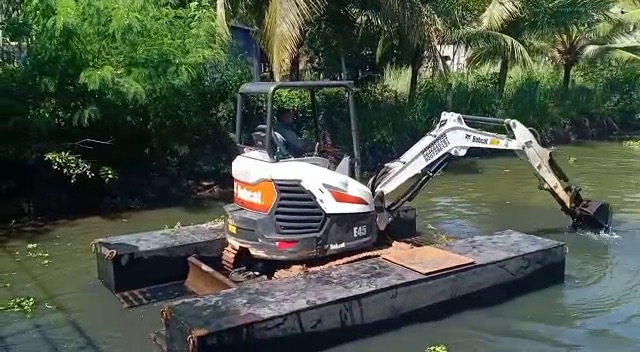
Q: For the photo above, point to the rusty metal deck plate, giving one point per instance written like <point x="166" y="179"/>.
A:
<point x="428" y="260"/>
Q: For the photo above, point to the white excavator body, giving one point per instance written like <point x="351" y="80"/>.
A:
<point x="296" y="209"/>
<point x="300" y="208"/>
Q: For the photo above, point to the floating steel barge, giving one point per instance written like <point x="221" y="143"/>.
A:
<point x="343" y="299"/>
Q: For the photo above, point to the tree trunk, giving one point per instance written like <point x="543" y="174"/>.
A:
<point x="416" y="64"/>
<point x="502" y="76"/>
<point x="343" y="65"/>
<point x="294" y="67"/>
<point x="566" y="77"/>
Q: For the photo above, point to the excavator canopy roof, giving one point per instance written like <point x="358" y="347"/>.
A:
<point x="270" y="88"/>
<point x="266" y="87"/>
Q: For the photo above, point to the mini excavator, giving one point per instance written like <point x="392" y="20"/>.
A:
<point x="299" y="209"/>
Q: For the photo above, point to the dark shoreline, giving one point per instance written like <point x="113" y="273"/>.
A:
<point x="203" y="194"/>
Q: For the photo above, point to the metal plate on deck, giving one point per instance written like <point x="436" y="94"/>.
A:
<point x="152" y="294"/>
<point x="428" y="260"/>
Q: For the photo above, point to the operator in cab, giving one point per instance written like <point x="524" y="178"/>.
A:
<point x="295" y="145"/>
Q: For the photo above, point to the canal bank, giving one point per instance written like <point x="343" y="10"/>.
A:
<point x="592" y="311"/>
<point x="165" y="191"/>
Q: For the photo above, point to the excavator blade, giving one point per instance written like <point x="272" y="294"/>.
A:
<point x="203" y="279"/>
<point x="593" y="215"/>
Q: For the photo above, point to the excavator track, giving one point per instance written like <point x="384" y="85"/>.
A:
<point x="230" y="259"/>
<point x="295" y="270"/>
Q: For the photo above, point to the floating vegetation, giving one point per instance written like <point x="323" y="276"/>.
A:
<point x="634" y="144"/>
<point x="436" y="348"/>
<point x="24" y="305"/>
<point x="33" y="251"/>
<point x="436" y="236"/>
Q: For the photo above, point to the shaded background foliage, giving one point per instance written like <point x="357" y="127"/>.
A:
<point x="130" y="103"/>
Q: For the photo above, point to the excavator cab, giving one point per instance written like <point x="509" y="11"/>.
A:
<point x="266" y="138"/>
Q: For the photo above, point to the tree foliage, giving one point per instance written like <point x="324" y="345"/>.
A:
<point x="133" y="101"/>
<point x="110" y="87"/>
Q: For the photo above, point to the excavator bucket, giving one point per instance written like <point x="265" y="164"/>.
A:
<point x="203" y="280"/>
<point x="593" y="215"/>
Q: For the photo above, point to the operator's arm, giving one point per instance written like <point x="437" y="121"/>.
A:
<point x="295" y="144"/>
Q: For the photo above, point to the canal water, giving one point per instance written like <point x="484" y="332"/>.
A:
<point x="596" y="309"/>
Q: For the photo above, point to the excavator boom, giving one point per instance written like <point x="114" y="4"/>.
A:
<point x="452" y="137"/>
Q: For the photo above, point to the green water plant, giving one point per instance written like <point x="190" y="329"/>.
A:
<point x="35" y="252"/>
<point x="24" y="305"/>
<point x="634" y="144"/>
<point x="436" y="348"/>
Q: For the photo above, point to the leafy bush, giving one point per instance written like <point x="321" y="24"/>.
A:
<point x="138" y="93"/>
<point x="134" y="101"/>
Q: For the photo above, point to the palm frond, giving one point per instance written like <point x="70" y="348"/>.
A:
<point x="500" y="13"/>
<point x="491" y="46"/>
<point x="284" y="26"/>
<point x="622" y="52"/>
<point x="629" y="54"/>
<point x="631" y="16"/>
<point x="620" y="28"/>
<point x="383" y="44"/>
<point x="409" y="18"/>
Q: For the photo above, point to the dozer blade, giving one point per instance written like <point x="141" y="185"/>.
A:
<point x="203" y="280"/>
<point x="593" y="215"/>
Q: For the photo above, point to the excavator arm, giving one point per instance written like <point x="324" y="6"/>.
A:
<point x="452" y="138"/>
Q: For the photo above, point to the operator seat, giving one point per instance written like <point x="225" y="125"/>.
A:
<point x="260" y="137"/>
<point x="259" y="141"/>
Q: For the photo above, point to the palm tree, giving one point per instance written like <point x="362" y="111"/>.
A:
<point x="282" y="23"/>
<point x="604" y="34"/>
<point x="564" y="30"/>
<point x="448" y="26"/>
<point x="408" y="51"/>
<point x="506" y="19"/>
